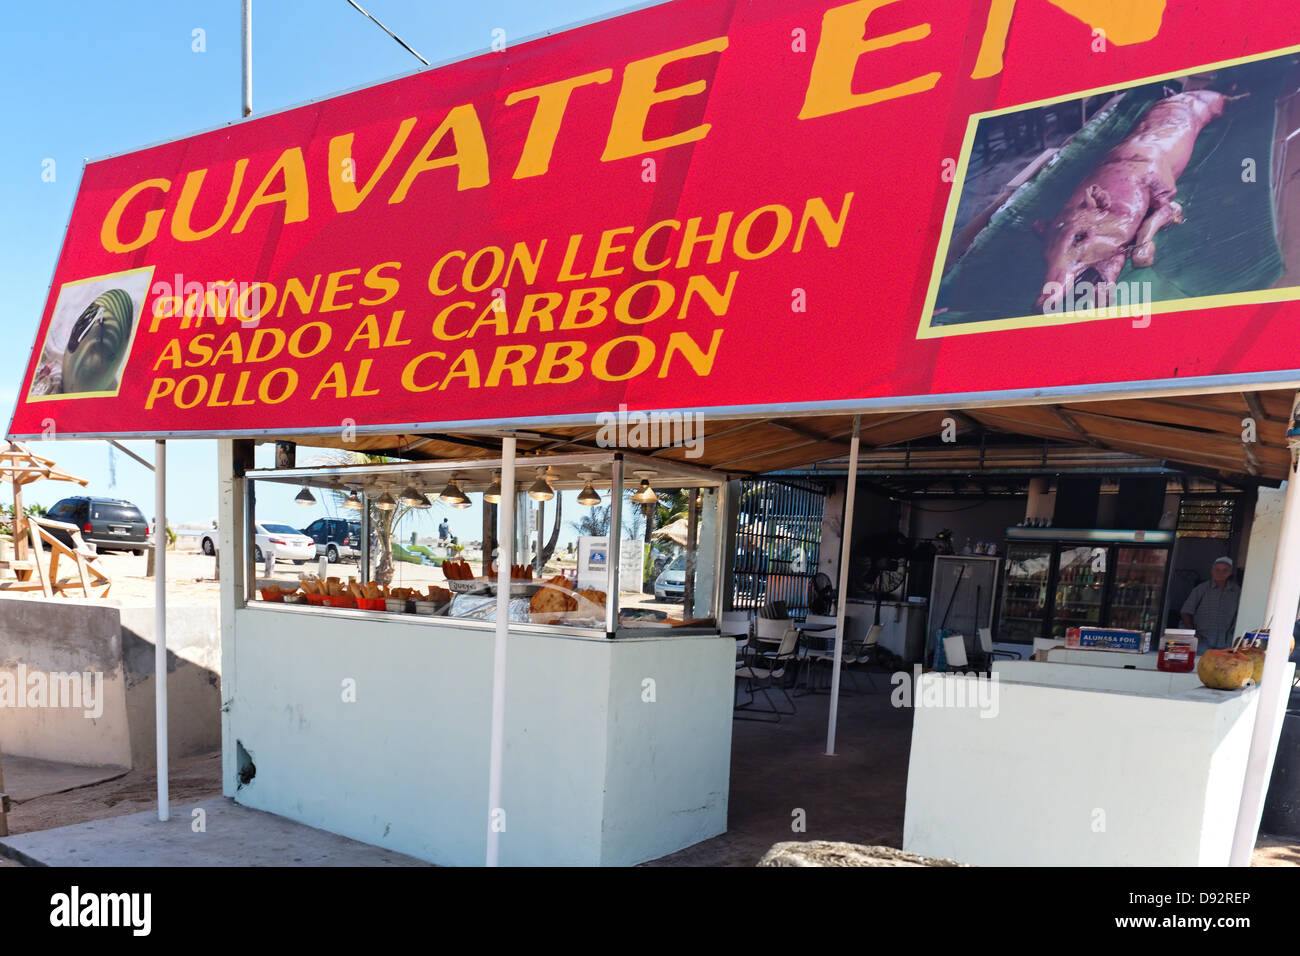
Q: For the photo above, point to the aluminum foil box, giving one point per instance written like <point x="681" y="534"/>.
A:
<point x="1108" y="639"/>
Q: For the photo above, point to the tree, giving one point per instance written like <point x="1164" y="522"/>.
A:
<point x="555" y="536"/>
<point x="382" y="523"/>
<point x="595" y="523"/>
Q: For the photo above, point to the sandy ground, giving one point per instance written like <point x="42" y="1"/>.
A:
<point x="191" y="578"/>
<point x="191" y="779"/>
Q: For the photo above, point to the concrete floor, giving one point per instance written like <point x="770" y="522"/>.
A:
<point x="778" y="770"/>
<point x="139" y="839"/>
<point x="783" y="787"/>
<point x="27" y="778"/>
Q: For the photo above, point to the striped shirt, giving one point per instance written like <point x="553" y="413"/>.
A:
<point x="1214" y="612"/>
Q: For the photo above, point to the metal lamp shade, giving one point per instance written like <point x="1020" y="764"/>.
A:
<point x="541" y="490"/>
<point x="646" y="496"/>
<point x="588" y="496"/>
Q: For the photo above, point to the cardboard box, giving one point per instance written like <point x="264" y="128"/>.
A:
<point x="1108" y="639"/>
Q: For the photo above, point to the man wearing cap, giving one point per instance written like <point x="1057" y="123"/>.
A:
<point x="1211" y="608"/>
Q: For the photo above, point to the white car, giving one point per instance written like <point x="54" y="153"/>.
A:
<point x="284" y="541"/>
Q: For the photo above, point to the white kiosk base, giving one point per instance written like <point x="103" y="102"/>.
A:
<point x="1079" y="765"/>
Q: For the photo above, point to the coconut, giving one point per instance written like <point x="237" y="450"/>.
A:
<point x="1225" y="669"/>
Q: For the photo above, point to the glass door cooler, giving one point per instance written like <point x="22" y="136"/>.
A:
<point x="1024" y="606"/>
<point x="1139" y="590"/>
<point x="1061" y="578"/>
<point x="1082" y="572"/>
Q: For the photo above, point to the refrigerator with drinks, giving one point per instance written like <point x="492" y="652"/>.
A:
<point x="1055" y="579"/>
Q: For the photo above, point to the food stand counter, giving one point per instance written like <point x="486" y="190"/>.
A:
<point x="1097" y="766"/>
<point x="376" y="725"/>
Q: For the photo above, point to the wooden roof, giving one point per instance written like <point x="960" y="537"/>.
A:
<point x="1200" y="432"/>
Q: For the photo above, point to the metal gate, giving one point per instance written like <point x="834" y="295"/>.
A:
<point x="778" y="543"/>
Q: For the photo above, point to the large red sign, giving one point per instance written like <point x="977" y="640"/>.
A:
<point x="705" y="205"/>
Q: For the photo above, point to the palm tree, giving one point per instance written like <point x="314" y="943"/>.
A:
<point x="594" y="524"/>
<point x="382" y="522"/>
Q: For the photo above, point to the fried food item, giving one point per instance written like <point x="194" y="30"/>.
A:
<point x="552" y="600"/>
<point x="592" y="595"/>
<point x="354" y="589"/>
<point x="457" y="571"/>
<point x="438" y="595"/>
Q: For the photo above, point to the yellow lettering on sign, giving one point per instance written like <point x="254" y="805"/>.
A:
<point x="293" y="195"/>
<point x="344" y="193"/>
<point x="841" y="45"/>
<point x="638" y="94"/>
<point x="552" y="100"/>
<point x="470" y="156"/>
<point x="190" y="189"/>
<point x="108" y="234"/>
<point x="1123" y="21"/>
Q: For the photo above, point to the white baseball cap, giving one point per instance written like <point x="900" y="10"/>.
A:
<point x="1224" y="560"/>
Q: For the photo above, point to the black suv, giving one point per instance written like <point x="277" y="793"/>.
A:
<point x="110" y="524"/>
<point x="336" y="538"/>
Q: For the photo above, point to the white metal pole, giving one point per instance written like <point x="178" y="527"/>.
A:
<point x="614" y="547"/>
<point x="160" y="622"/>
<point x="505" y="557"/>
<point x="246" y="45"/>
<point x="1283" y="598"/>
<point x="846" y="540"/>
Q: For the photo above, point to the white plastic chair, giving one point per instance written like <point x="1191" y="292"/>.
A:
<point x="767" y="666"/>
<point x="867" y="650"/>
<point x="826" y="653"/>
<point x="736" y="624"/>
<point x="954" y="648"/>
<point x="988" y="654"/>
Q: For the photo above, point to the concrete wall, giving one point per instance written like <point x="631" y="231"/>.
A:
<point x="592" y="774"/>
<point x="981" y="520"/>
<point x="193" y="681"/>
<point x="65" y="637"/>
<point x="1119" y="775"/>
<point x="117" y="643"/>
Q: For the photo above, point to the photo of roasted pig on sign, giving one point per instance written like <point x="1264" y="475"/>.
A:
<point x="1124" y="204"/>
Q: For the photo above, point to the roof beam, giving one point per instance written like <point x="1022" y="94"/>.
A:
<point x="1074" y="426"/>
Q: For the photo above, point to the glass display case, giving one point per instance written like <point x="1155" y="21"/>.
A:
<point x="423" y="536"/>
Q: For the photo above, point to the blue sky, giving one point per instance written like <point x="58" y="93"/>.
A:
<point x="90" y="79"/>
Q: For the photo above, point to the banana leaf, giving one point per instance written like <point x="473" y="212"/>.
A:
<point x="1226" y="244"/>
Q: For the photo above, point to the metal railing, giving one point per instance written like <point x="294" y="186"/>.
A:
<point x="778" y="543"/>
